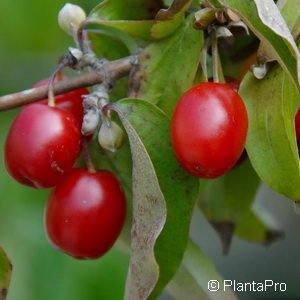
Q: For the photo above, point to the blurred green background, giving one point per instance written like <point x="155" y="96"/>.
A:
<point x="30" y="44"/>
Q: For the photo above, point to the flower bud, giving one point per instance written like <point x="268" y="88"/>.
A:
<point x="70" y="17"/>
<point x="90" y="121"/>
<point x="111" y="137"/>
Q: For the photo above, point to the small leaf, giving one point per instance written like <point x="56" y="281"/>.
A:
<point x="138" y="18"/>
<point x="224" y="200"/>
<point x="158" y="180"/>
<point x="106" y="45"/>
<point x="271" y="144"/>
<point x="5" y="274"/>
<point x="257" y="226"/>
<point x="126" y="16"/>
<point x="161" y="79"/>
<point x="265" y="20"/>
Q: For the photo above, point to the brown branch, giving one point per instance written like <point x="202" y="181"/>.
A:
<point x="112" y="70"/>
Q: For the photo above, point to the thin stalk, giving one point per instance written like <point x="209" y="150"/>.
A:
<point x="217" y="67"/>
<point x="65" y="61"/>
<point x="87" y="157"/>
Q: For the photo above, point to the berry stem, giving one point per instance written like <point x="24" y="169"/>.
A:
<point x="216" y="63"/>
<point x="81" y="36"/>
<point x="87" y="157"/>
<point x="65" y="61"/>
<point x="203" y="59"/>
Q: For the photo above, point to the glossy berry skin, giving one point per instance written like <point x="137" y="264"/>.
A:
<point x="208" y="129"/>
<point x="85" y="213"/>
<point x="71" y="101"/>
<point x="42" y="144"/>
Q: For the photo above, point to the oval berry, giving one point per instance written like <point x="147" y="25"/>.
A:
<point x="209" y="129"/>
<point x="42" y="144"/>
<point x="85" y="213"/>
<point x="71" y="101"/>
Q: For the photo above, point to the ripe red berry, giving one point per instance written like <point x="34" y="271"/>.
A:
<point x="71" y="101"/>
<point x="42" y="144"/>
<point x="85" y="213"/>
<point x="209" y="129"/>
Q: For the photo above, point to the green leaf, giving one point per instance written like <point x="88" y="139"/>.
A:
<point x="291" y="13"/>
<point x="202" y="270"/>
<point x="224" y="200"/>
<point x="259" y="227"/>
<point x="126" y="10"/>
<point x="163" y="194"/>
<point x="126" y="16"/>
<point x="106" y="45"/>
<point x="271" y="144"/>
<point x="139" y="28"/>
<point x="265" y="20"/>
<point x="161" y="79"/>
<point x="215" y="3"/>
<point x="139" y="18"/>
<point x="167" y="20"/>
<point x="5" y="274"/>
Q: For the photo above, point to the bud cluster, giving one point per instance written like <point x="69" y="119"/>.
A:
<point x="111" y="135"/>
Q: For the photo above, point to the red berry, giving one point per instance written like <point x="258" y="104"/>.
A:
<point x="71" y="101"/>
<point x="85" y="213"/>
<point x="42" y="144"/>
<point x="209" y="129"/>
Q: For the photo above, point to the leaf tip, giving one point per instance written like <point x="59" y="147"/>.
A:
<point x="272" y="236"/>
<point x="225" y="231"/>
<point x="3" y="294"/>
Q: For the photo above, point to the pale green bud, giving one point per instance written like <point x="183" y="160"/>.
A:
<point x="110" y="136"/>
<point x="70" y="17"/>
